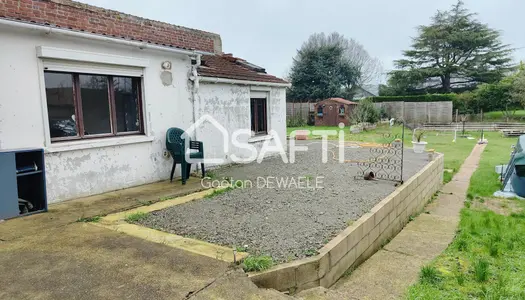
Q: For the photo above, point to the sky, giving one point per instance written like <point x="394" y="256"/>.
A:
<point x="269" y="32"/>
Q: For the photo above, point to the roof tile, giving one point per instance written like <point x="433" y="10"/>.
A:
<point x="230" y="67"/>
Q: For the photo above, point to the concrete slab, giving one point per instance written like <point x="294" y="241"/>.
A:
<point x="396" y="271"/>
<point x="424" y="245"/>
<point x="51" y="256"/>
<point x="236" y="285"/>
<point x="434" y="224"/>
<point x="81" y="261"/>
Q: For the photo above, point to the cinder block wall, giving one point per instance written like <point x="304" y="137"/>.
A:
<point x="361" y="240"/>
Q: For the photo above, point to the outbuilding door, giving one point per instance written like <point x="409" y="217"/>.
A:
<point x="332" y="115"/>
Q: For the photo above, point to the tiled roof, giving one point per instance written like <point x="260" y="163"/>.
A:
<point x="81" y="17"/>
<point x="341" y="100"/>
<point x="230" y="67"/>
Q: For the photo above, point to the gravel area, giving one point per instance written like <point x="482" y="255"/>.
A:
<point x="285" y="222"/>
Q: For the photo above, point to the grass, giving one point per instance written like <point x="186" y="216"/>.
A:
<point x="255" y="263"/>
<point x="429" y="275"/>
<point x="484" y="181"/>
<point x="94" y="219"/>
<point x="136" y="217"/>
<point x="455" y="153"/>
<point x="485" y="261"/>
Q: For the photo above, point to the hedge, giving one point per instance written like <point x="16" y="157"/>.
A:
<point x="416" y="98"/>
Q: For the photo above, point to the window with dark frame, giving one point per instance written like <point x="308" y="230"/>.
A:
<point x="341" y="110"/>
<point x="82" y="106"/>
<point x="319" y="110"/>
<point x="258" y="116"/>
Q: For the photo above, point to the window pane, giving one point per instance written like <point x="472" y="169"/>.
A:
<point x="252" y="110"/>
<point x="95" y="104"/>
<point x="127" y="104"/>
<point x="261" y="118"/>
<point x="60" y="104"/>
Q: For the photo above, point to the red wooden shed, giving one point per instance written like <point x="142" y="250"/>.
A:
<point x="331" y="112"/>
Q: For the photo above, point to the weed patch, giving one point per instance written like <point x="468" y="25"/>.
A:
<point x="257" y="263"/>
<point x="136" y="217"/>
<point x="429" y="275"/>
<point x="218" y="192"/>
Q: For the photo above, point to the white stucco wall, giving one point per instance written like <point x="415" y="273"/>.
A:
<point x="77" y="169"/>
<point x="230" y="106"/>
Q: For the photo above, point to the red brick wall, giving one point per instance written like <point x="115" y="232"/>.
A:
<point x="83" y="17"/>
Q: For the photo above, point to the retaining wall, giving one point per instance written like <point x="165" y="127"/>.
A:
<point x="359" y="241"/>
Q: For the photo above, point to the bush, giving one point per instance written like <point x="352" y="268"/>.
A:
<point x="416" y="98"/>
<point x="296" y="121"/>
<point x="366" y="112"/>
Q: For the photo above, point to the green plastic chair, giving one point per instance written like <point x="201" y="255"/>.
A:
<point x="176" y="146"/>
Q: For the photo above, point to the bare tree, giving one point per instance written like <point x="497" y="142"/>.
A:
<point x="369" y="68"/>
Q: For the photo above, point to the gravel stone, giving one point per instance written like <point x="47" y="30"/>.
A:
<point x="284" y="222"/>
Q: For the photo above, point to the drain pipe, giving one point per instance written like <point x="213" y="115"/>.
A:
<point x="194" y="77"/>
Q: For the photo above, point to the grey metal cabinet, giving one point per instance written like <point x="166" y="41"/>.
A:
<point x="22" y="182"/>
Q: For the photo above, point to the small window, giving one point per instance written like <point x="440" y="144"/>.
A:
<point x="319" y="110"/>
<point x="86" y="106"/>
<point x="342" y="110"/>
<point x="520" y="171"/>
<point x="258" y="116"/>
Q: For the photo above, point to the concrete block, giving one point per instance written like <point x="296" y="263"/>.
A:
<point x="324" y="265"/>
<point x="383" y="225"/>
<point x="355" y="236"/>
<point x="362" y="245"/>
<point x="399" y="198"/>
<point x="281" y="279"/>
<point x="338" y="270"/>
<point x="382" y="211"/>
<point x="338" y="248"/>
<point x="392" y="216"/>
<point x="404" y="193"/>
<point x="374" y="234"/>
<point x="307" y="286"/>
<point x="368" y="223"/>
<point x="307" y="271"/>
<point x="366" y="254"/>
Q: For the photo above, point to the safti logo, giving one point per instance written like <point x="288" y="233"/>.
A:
<point x="273" y="144"/>
<point x="192" y="128"/>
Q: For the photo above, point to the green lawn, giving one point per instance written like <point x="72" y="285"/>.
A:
<point x="485" y="181"/>
<point x="455" y="153"/>
<point x="485" y="261"/>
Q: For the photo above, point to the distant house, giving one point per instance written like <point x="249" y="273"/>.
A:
<point x="365" y="92"/>
<point x="333" y="111"/>
<point x="98" y="89"/>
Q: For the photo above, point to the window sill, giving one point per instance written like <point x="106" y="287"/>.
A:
<point x="98" y="143"/>
<point x="259" y="138"/>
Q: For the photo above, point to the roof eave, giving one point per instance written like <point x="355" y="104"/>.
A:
<point x="243" y="82"/>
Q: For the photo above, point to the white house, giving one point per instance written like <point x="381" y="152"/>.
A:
<point x="98" y="89"/>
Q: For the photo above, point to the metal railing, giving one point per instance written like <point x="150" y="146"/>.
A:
<point x="509" y="171"/>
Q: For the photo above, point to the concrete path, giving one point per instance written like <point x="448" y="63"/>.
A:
<point x="389" y="272"/>
<point x="52" y="256"/>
